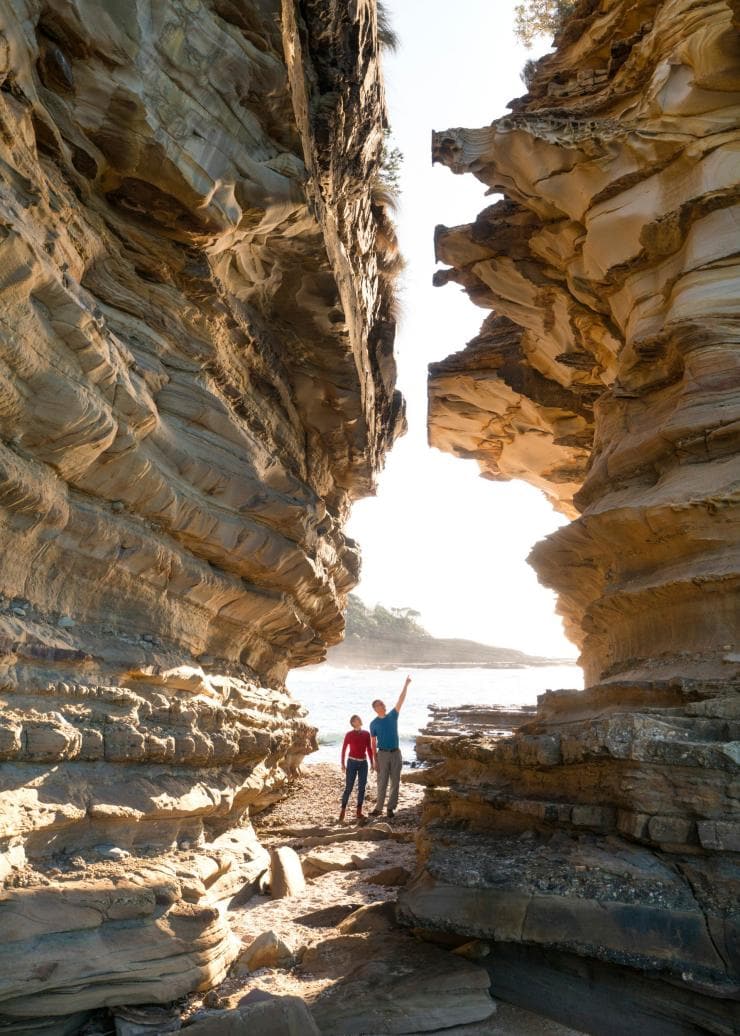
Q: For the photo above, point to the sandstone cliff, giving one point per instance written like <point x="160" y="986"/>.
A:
<point x="608" y="829"/>
<point x="197" y="379"/>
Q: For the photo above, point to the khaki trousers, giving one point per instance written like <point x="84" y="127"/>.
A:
<point x="389" y="766"/>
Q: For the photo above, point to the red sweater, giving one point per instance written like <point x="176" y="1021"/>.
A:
<point x="358" y="742"/>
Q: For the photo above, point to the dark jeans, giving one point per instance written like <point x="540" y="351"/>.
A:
<point x="355" y="770"/>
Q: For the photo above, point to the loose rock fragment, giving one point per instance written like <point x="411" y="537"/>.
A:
<point x="286" y="873"/>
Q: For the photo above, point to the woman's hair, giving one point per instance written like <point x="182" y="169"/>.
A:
<point x="353" y="718"/>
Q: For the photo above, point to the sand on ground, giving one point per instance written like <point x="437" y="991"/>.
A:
<point x="311" y="811"/>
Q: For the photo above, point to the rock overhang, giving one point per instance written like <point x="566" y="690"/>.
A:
<point x="198" y="378"/>
<point x="607" y="376"/>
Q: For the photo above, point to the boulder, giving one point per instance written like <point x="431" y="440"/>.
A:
<point x="400" y="986"/>
<point x="286" y="873"/>
<point x="475" y="949"/>
<point x="375" y="917"/>
<point x="278" y="1016"/>
<point x="268" y="950"/>
<point x="390" y="876"/>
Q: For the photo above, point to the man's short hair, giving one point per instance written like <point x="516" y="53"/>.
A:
<point x="378" y="701"/>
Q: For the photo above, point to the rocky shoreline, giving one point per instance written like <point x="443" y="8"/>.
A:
<point x="330" y="957"/>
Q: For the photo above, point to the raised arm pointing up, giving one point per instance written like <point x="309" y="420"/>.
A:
<point x="402" y="697"/>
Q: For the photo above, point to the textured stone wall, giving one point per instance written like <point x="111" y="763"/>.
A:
<point x="609" y="373"/>
<point x="609" y="376"/>
<point x="196" y="380"/>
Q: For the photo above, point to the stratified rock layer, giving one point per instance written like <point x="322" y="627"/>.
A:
<point x="608" y="828"/>
<point x="196" y="380"/>
<point x="463" y="720"/>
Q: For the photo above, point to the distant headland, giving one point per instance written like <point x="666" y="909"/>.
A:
<point x="379" y="637"/>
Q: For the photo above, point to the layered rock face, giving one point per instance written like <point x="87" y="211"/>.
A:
<point x="197" y="380"/>
<point x="608" y="828"/>
<point x="462" y="721"/>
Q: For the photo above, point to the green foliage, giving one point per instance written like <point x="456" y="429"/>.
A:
<point x="372" y="623"/>
<point x="540" y="18"/>
<point x="391" y="160"/>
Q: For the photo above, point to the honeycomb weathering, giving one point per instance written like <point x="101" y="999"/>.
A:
<point x="197" y="380"/>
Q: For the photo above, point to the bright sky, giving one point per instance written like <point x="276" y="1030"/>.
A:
<point x="438" y="537"/>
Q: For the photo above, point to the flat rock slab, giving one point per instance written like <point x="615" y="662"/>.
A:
<point x="371" y="833"/>
<point x="278" y="1016"/>
<point x="614" y="901"/>
<point x="272" y="830"/>
<point x="350" y="856"/>
<point x="511" y="1021"/>
<point x="146" y="1020"/>
<point x="397" y="986"/>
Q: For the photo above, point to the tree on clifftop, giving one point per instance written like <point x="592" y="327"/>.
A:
<point x="379" y="622"/>
<point x="540" y="18"/>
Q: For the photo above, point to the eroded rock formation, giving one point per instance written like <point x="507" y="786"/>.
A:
<point x="463" y="720"/>
<point x="608" y="829"/>
<point x="197" y="380"/>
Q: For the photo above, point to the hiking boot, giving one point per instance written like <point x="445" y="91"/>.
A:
<point x="361" y="818"/>
<point x="391" y="813"/>
<point x="341" y="816"/>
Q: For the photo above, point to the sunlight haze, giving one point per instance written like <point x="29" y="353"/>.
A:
<point x="438" y="537"/>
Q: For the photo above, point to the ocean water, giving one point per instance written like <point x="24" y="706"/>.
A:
<point x="332" y="695"/>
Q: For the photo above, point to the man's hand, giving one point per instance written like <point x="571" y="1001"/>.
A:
<point x="402" y="698"/>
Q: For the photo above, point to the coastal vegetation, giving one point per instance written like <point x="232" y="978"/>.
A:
<point x="388" y="636"/>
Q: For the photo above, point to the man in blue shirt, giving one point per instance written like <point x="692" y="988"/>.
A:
<point x="388" y="760"/>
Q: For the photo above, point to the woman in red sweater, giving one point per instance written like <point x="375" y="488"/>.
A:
<point x="360" y="747"/>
